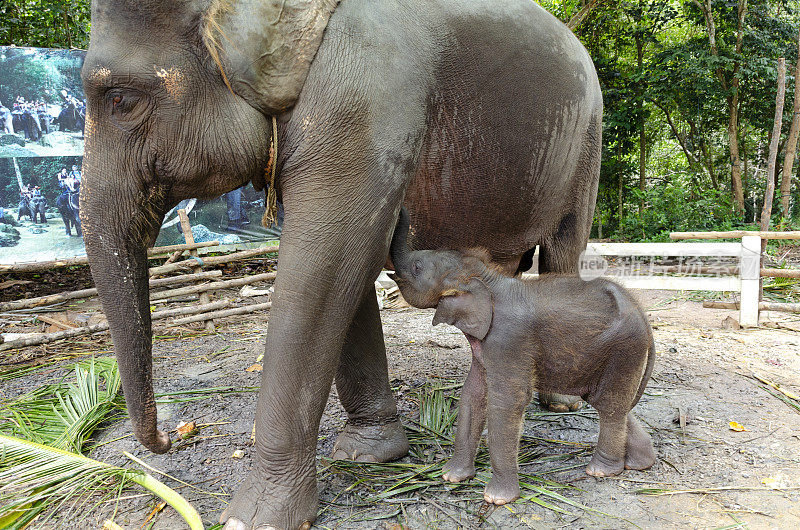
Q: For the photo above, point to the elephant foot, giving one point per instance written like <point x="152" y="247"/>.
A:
<point x="371" y="443"/>
<point x="560" y="403"/>
<point x="502" y="490"/>
<point x="262" y="505"/>
<point x="457" y="471"/>
<point x="601" y="466"/>
<point x="639" y="452"/>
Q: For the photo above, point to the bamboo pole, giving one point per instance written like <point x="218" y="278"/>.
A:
<point x="763" y="306"/>
<point x="39" y="301"/>
<point x="83" y="260"/>
<point x="690" y="269"/>
<point x="735" y="234"/>
<point x="780" y="273"/>
<point x="167" y="249"/>
<point x="727" y="271"/>
<point x="207" y="287"/>
<point x="47" y="338"/>
<point x="186" y="228"/>
<point x="224" y="313"/>
<point x="214" y="260"/>
<point x="711" y="304"/>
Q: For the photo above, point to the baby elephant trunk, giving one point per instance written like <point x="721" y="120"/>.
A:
<point x="398" y="251"/>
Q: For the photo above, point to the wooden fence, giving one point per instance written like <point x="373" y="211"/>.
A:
<point x="744" y="279"/>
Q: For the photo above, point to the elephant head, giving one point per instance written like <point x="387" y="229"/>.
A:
<point x="456" y="283"/>
<point x="178" y="97"/>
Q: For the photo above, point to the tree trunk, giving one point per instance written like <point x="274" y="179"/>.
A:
<point x="791" y="143"/>
<point x="579" y="17"/>
<point x="640" y="116"/>
<point x="18" y="173"/>
<point x="732" y="100"/>
<point x="769" y="194"/>
<point x="733" y="148"/>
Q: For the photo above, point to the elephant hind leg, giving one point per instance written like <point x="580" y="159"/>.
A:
<point x="65" y="217"/>
<point x="373" y="432"/>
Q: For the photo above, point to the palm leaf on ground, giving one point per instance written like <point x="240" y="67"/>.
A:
<point x="34" y="477"/>
<point x="43" y="469"/>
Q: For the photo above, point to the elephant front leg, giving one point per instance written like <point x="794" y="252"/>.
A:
<point x="373" y="432"/>
<point x="509" y="394"/>
<point x="471" y="421"/>
<point x="326" y="269"/>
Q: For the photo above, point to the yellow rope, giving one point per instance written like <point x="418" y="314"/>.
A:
<point x="270" y="217"/>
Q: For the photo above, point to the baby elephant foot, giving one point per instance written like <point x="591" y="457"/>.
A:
<point x="601" y="466"/>
<point x="262" y="505"/>
<point x="456" y="471"/>
<point x="371" y="443"/>
<point x="560" y="403"/>
<point x="639" y="453"/>
<point x="501" y="491"/>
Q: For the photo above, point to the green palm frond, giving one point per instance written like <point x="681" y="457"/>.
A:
<point x="41" y="465"/>
<point x="34" y="477"/>
<point x="64" y="415"/>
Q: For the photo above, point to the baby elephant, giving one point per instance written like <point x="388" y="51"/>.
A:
<point x="553" y="334"/>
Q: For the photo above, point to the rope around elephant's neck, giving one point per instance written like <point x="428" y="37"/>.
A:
<point x="270" y="217"/>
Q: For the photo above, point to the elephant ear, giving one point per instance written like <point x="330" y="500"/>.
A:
<point x="264" y="48"/>
<point x="469" y="309"/>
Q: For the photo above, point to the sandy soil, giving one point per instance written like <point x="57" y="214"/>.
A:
<point x="702" y="372"/>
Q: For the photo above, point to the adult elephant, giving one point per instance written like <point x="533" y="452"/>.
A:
<point x="38" y="205"/>
<point x="28" y="122"/>
<point x="70" y="118"/>
<point x="68" y="205"/>
<point x="482" y="116"/>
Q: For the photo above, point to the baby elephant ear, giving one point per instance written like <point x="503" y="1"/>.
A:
<point x="469" y="309"/>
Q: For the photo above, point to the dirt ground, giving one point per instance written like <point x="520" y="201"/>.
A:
<point x="702" y="374"/>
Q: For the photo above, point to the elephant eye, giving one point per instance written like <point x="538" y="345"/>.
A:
<point x="416" y="267"/>
<point x="122" y="102"/>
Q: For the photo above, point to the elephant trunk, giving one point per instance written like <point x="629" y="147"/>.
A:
<point x="398" y="250"/>
<point x="118" y="225"/>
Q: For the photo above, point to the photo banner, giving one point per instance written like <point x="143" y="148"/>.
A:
<point x="42" y="113"/>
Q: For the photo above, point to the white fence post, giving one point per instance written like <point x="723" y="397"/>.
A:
<point x="750" y="273"/>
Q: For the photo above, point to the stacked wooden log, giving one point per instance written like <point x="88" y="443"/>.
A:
<point x="192" y="280"/>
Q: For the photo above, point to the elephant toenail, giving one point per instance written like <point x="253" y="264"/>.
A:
<point x="305" y="526"/>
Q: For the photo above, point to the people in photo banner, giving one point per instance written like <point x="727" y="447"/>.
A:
<point x="67" y="203"/>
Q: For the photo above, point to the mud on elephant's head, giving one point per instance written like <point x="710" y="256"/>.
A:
<point x="457" y="283"/>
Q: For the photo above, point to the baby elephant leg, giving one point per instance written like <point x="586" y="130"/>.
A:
<point x="507" y="401"/>
<point x="609" y="456"/>
<point x="639" y="453"/>
<point x="471" y="420"/>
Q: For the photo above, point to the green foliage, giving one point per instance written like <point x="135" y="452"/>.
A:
<point x="45" y="23"/>
<point x="677" y="206"/>
<point x="655" y="64"/>
<point x="39" y="74"/>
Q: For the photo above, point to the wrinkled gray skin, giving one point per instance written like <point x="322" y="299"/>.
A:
<point x="485" y="112"/>
<point x="555" y="333"/>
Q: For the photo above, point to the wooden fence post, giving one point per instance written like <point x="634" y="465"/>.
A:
<point x="186" y="228"/>
<point x="750" y="272"/>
